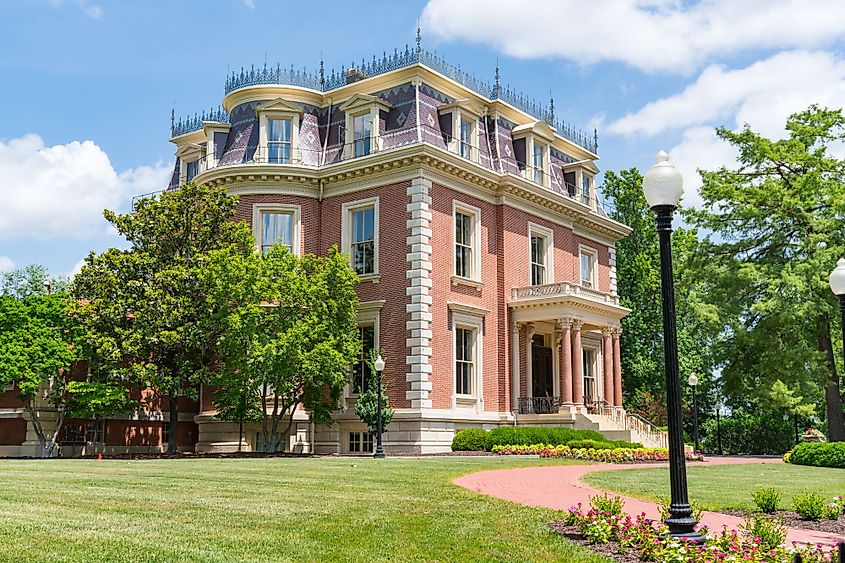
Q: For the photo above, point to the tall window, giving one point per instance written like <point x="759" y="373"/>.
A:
<point x="588" y="357"/>
<point x="276" y="227"/>
<point x="538" y="163"/>
<point x="588" y="269"/>
<point x="585" y="189"/>
<point x="464" y="360"/>
<point x="538" y="260"/>
<point x="361" y="371"/>
<point x="278" y="141"/>
<point x="191" y="170"/>
<point x="466" y="139"/>
<point x="360" y="442"/>
<point x="363" y="240"/>
<point x="463" y="244"/>
<point x="362" y="133"/>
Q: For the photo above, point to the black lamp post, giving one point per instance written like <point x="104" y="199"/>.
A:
<point x="663" y="186"/>
<point x="379" y="365"/>
<point x="693" y="382"/>
<point x="837" y="285"/>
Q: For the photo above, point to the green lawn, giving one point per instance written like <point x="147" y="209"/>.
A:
<point x="266" y="510"/>
<point x="724" y="486"/>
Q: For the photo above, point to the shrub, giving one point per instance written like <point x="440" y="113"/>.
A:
<point x="819" y="454"/>
<point x="809" y="505"/>
<point x="767" y="499"/>
<point x="615" y="455"/>
<point x="606" y="504"/>
<point x="469" y="440"/>
<point x="528" y="435"/>
<point x="601" y="444"/>
<point x="749" y="434"/>
<point x="771" y="531"/>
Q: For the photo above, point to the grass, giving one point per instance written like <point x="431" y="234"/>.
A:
<point x="724" y="487"/>
<point x="267" y="510"/>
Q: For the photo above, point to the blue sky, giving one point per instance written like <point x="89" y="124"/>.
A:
<point x="89" y="85"/>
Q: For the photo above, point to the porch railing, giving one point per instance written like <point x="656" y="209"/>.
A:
<point x="539" y="405"/>
<point x="562" y="289"/>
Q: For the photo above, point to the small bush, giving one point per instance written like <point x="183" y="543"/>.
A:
<point x="819" y="454"/>
<point x="606" y="504"/>
<point x="771" y="531"/>
<point x="528" y="435"/>
<point x="767" y="499"/>
<point x="469" y="440"/>
<point x="809" y="505"/>
<point x="601" y="444"/>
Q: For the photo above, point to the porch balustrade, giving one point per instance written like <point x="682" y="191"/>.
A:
<point x="562" y="289"/>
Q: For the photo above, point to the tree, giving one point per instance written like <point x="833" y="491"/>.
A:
<point x="31" y="280"/>
<point x="288" y="334"/>
<point x="41" y="352"/>
<point x="145" y="308"/>
<point x="638" y="283"/>
<point x="366" y="406"/>
<point x="775" y="232"/>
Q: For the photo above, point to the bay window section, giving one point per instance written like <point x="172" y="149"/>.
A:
<point x="276" y="227"/>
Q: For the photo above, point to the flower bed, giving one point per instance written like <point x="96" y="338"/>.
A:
<point x="615" y="455"/>
<point x="760" y="539"/>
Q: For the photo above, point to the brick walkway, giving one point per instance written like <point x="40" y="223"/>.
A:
<point x="559" y="487"/>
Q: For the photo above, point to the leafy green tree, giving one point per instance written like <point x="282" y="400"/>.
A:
<point x="145" y="308"/>
<point x="31" y="280"/>
<point x="40" y="347"/>
<point x="366" y="406"/>
<point x="638" y="283"/>
<point x="288" y="335"/>
<point x="775" y="231"/>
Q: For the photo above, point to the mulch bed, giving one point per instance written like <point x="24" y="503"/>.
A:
<point x="792" y="520"/>
<point x="610" y="550"/>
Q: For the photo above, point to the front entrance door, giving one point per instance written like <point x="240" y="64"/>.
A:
<point x="541" y="372"/>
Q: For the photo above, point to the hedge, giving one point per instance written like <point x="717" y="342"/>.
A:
<point x="819" y="454"/>
<point x="469" y="440"/>
<point x="528" y="435"/>
<point x="601" y="444"/>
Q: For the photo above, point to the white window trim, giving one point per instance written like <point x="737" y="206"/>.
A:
<point x="349" y="136"/>
<point x="591" y="189"/>
<point x="259" y="209"/>
<point x="473" y="134"/>
<point x="466" y="110"/>
<point x="475" y="323"/>
<point x="475" y="278"/>
<point x="549" y="235"/>
<point x="595" y="259"/>
<point x="279" y="109"/>
<point x="190" y="153"/>
<point x="346" y="233"/>
<point x="368" y="313"/>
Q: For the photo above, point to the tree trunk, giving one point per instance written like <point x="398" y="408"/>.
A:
<point x="833" y="395"/>
<point x="174" y="423"/>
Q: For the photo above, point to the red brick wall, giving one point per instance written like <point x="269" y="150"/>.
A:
<point x="146" y="433"/>
<point x="10" y="400"/>
<point x="392" y="283"/>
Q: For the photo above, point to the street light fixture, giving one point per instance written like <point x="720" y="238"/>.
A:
<point x="837" y="285"/>
<point x="693" y="382"/>
<point x="379" y="365"/>
<point x="663" y="187"/>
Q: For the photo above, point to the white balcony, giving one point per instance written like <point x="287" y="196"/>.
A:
<point x="562" y="289"/>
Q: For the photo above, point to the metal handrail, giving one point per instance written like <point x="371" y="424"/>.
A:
<point x="539" y="405"/>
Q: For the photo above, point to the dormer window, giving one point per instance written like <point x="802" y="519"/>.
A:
<point x="191" y="159"/>
<point x="363" y="123"/>
<point x="191" y="170"/>
<point x="278" y="133"/>
<point x="536" y="138"/>
<point x="459" y="125"/>
<point x="586" y="182"/>
<point x="362" y="134"/>
<point x="279" y="141"/>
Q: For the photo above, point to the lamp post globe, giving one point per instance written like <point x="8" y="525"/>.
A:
<point x="663" y="187"/>
<point x="379" y="365"/>
<point x="837" y="285"/>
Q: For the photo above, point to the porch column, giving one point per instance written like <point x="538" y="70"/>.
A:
<point x="566" y="360"/>
<point x="607" y="372"/>
<point x="514" y="366"/>
<point x="617" y="368"/>
<point x="577" y="367"/>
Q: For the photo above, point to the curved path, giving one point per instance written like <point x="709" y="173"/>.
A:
<point x="559" y="487"/>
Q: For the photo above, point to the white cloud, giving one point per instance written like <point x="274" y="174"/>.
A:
<point x="93" y="11"/>
<point x="653" y="35"/>
<point x="249" y="4"/>
<point x="76" y="268"/>
<point x="700" y="148"/>
<point x="763" y="94"/>
<point x="6" y="264"/>
<point x="61" y="191"/>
